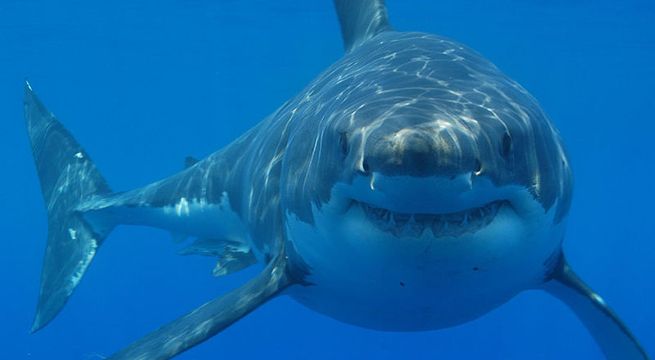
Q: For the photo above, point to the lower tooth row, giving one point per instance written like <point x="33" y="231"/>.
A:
<point x="404" y="224"/>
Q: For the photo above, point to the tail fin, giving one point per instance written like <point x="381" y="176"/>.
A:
<point x="68" y="177"/>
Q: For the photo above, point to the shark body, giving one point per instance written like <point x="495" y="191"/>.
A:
<point x="411" y="186"/>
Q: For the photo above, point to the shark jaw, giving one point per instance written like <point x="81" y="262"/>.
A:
<point x="424" y="257"/>
<point x="439" y="224"/>
<point x="440" y="206"/>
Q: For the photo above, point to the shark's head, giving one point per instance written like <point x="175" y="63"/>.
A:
<point x="432" y="172"/>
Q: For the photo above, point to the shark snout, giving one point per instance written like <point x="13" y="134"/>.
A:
<point x="415" y="152"/>
<point x="422" y="194"/>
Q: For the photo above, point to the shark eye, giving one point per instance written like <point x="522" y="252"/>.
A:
<point x="343" y="143"/>
<point x="506" y="145"/>
<point x="478" y="167"/>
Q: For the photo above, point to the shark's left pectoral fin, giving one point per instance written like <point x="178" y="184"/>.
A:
<point x="612" y="335"/>
<point x="210" y="318"/>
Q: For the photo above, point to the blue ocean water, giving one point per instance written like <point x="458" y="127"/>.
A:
<point x="143" y="84"/>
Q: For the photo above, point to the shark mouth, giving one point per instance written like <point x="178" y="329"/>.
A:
<point x="441" y="225"/>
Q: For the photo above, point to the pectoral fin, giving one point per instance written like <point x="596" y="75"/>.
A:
<point x="211" y="318"/>
<point x="612" y="335"/>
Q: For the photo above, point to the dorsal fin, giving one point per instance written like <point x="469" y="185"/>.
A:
<point x="361" y="20"/>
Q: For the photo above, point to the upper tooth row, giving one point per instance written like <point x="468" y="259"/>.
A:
<point x="401" y="218"/>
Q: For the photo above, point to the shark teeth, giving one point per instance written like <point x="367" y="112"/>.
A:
<point x="441" y="225"/>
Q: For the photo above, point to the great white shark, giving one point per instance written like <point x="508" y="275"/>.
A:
<point x="411" y="186"/>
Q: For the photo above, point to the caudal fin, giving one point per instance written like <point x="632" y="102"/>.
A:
<point x="68" y="177"/>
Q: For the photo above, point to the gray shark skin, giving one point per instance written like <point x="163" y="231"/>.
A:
<point x="411" y="186"/>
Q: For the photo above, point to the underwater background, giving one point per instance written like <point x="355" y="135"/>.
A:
<point x="143" y="84"/>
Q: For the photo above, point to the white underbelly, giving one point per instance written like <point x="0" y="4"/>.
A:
<point x="370" y="278"/>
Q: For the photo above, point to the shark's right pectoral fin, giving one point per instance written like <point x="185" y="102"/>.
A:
<point x="612" y="335"/>
<point x="210" y="318"/>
